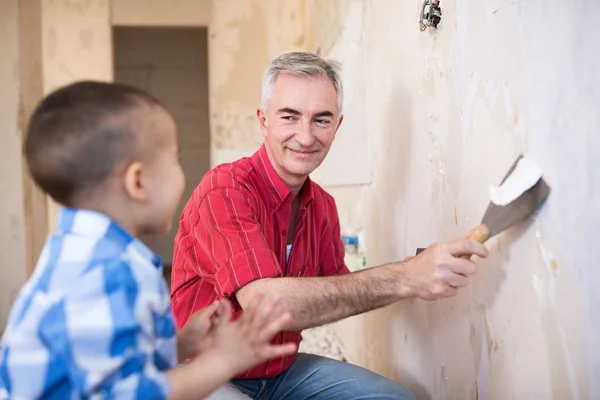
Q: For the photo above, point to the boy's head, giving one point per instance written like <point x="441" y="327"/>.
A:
<point x="108" y="147"/>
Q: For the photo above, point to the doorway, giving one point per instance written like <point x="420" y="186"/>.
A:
<point x="172" y="65"/>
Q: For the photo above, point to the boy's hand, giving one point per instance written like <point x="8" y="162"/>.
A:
<point x="192" y="338"/>
<point x="246" y="342"/>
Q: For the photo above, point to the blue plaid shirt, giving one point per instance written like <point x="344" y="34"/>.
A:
<point x="94" y="320"/>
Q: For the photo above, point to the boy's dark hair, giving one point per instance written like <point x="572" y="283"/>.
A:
<point x="78" y="134"/>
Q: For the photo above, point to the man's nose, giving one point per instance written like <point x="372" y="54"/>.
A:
<point x="304" y="134"/>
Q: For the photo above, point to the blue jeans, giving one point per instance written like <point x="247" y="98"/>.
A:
<point x="319" y="378"/>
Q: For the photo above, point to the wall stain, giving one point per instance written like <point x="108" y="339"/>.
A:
<point x="481" y="344"/>
<point x="472" y="335"/>
<point x="79" y="6"/>
<point x="329" y="23"/>
<point x="51" y="44"/>
<point x="554" y="266"/>
<point x="15" y="221"/>
<point x="299" y="41"/>
<point x="561" y="364"/>
<point x="15" y="70"/>
<point x="235" y="127"/>
<point x="86" y="37"/>
<point x="237" y="67"/>
<point x="428" y="81"/>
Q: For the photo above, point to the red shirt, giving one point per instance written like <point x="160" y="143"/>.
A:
<point x="233" y="230"/>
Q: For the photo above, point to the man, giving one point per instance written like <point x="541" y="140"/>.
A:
<point x="260" y="224"/>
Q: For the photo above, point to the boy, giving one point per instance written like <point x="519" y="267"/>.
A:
<point x="94" y="320"/>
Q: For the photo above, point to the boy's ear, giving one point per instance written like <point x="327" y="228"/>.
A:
<point x="134" y="183"/>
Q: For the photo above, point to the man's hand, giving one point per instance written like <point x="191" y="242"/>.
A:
<point x="440" y="270"/>
<point x="193" y="337"/>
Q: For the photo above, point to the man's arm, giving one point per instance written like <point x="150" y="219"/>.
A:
<point x="249" y="267"/>
<point x="315" y="301"/>
<point x="436" y="273"/>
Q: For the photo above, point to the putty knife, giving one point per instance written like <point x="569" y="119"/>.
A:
<point x="520" y="193"/>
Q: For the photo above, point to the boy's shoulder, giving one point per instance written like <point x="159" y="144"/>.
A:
<point x="79" y="275"/>
<point x="91" y="256"/>
<point x="73" y="267"/>
<point x="86" y="298"/>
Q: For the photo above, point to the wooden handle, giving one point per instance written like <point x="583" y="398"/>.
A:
<point x="480" y="234"/>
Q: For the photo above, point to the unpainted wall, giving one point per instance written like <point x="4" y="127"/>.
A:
<point x="244" y="36"/>
<point x="448" y="112"/>
<point x="12" y="216"/>
<point x="75" y="45"/>
<point x="157" y="13"/>
<point x="44" y="45"/>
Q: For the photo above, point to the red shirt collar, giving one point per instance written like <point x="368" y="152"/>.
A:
<point x="280" y="191"/>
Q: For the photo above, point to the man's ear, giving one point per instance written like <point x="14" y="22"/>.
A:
<point x="340" y="119"/>
<point x="262" y="121"/>
<point x="134" y="182"/>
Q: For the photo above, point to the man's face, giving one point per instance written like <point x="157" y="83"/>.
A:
<point x="301" y="122"/>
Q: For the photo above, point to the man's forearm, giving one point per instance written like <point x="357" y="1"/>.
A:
<point x="315" y="301"/>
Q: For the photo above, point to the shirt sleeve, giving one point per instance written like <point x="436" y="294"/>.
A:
<point x="229" y="238"/>
<point x="105" y="333"/>
<point x="333" y="248"/>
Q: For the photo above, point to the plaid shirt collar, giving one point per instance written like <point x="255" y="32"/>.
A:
<point x="96" y="225"/>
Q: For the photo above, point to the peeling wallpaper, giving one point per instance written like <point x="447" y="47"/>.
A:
<point x="447" y="112"/>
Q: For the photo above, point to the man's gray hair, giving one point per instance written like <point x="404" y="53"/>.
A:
<point x="304" y="64"/>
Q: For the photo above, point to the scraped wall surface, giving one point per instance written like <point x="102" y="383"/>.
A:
<point x="244" y="36"/>
<point x="447" y="112"/>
